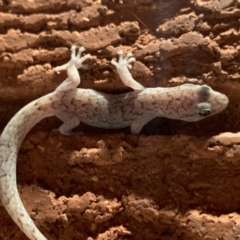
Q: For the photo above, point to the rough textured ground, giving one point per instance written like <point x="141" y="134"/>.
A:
<point x="176" y="180"/>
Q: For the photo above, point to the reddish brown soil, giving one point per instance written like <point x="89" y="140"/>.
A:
<point x="176" y="180"/>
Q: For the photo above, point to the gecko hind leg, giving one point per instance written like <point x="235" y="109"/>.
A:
<point x="70" y="121"/>
<point x="72" y="67"/>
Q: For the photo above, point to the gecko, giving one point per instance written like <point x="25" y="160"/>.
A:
<point x="72" y="105"/>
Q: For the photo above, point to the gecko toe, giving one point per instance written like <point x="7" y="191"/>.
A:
<point x="120" y="52"/>
<point x="129" y="66"/>
<point x="113" y="62"/>
<point x="131" y="59"/>
<point x="129" y="55"/>
<point x="80" y="51"/>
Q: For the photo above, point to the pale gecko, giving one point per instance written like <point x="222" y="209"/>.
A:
<point x="187" y="102"/>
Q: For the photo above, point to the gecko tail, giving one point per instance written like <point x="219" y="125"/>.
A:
<point x="9" y="193"/>
<point x="10" y="141"/>
<point x="13" y="135"/>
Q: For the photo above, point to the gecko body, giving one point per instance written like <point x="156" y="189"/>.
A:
<point x="72" y="105"/>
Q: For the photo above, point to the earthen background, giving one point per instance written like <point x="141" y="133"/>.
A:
<point x="176" y="180"/>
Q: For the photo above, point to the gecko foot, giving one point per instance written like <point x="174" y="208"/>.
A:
<point x="72" y="67"/>
<point x="124" y="62"/>
<point x="70" y="121"/>
<point x="76" y="59"/>
<point x="123" y="65"/>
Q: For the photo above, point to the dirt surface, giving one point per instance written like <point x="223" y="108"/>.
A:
<point x="175" y="180"/>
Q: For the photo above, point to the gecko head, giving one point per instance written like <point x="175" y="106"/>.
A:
<point x="207" y="103"/>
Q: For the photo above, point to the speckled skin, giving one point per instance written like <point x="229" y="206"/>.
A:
<point x="187" y="102"/>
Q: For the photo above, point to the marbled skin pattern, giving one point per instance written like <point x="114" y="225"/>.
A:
<point x="187" y="102"/>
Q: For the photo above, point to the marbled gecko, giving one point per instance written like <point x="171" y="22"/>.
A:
<point x="187" y="102"/>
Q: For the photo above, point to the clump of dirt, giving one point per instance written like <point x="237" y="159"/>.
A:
<point x="175" y="180"/>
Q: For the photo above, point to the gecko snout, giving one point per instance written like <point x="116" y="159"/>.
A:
<point x="218" y="102"/>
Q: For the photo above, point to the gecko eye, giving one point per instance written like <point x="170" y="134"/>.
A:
<point x="205" y="112"/>
<point x="204" y="109"/>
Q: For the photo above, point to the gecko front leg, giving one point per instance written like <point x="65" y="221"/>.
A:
<point x="123" y="65"/>
<point x="137" y="125"/>
<point x="72" y="67"/>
